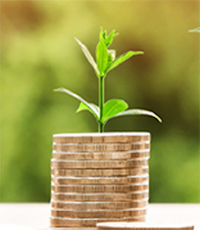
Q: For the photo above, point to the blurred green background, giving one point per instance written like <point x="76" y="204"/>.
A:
<point x="39" y="53"/>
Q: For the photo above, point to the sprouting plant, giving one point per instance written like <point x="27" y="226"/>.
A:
<point x="105" y="62"/>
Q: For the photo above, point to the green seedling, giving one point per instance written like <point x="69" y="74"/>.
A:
<point x="105" y="62"/>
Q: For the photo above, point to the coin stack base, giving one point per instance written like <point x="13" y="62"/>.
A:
<point x="99" y="177"/>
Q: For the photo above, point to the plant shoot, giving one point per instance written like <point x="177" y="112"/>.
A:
<point x="105" y="62"/>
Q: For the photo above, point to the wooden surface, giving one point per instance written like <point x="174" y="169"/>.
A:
<point x="36" y="216"/>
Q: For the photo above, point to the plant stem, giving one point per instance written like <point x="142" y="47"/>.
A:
<point x="101" y="103"/>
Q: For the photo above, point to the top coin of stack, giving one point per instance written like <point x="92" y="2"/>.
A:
<point x="81" y="138"/>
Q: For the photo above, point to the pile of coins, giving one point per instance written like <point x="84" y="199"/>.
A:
<point x="99" y="177"/>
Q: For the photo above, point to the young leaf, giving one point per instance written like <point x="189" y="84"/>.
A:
<point x="88" y="56"/>
<point x="82" y="107"/>
<point x="101" y="56"/>
<point x="104" y="34"/>
<point x="122" y="58"/>
<point x="109" y="39"/>
<point x="112" y="108"/>
<point x="90" y="106"/>
<point x="195" y="30"/>
<point x="138" y="112"/>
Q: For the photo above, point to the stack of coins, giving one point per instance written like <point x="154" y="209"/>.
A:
<point x="99" y="177"/>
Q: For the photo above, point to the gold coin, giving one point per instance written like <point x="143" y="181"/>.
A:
<point x="98" y="164"/>
<point x="101" y="188"/>
<point x="101" y="137"/>
<point x="91" y="222"/>
<point x="100" y="180"/>
<point x="141" y="226"/>
<point x="101" y="155"/>
<point x="99" y="205"/>
<point x="98" y="196"/>
<point x="97" y="213"/>
<point x="108" y="147"/>
<point x="100" y="172"/>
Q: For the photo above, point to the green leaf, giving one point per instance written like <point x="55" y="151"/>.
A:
<point x="113" y="107"/>
<point x="109" y="39"/>
<point x="88" y="56"/>
<point x="82" y="107"/>
<point x="195" y="30"/>
<point x="138" y="112"/>
<point x="101" y="57"/>
<point x="122" y="58"/>
<point x="103" y="34"/>
<point x="90" y="106"/>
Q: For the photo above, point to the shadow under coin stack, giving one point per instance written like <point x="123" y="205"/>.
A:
<point x="99" y="177"/>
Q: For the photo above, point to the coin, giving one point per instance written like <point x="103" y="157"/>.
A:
<point x="91" y="222"/>
<point x="141" y="226"/>
<point x="101" y="137"/>
<point x="98" y="164"/>
<point x="101" y="155"/>
<point x="97" y="213"/>
<point x="98" y="196"/>
<point x="101" y="180"/>
<point x="100" y="147"/>
<point x="99" y="205"/>
<point x="100" y="172"/>
<point x="140" y="189"/>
